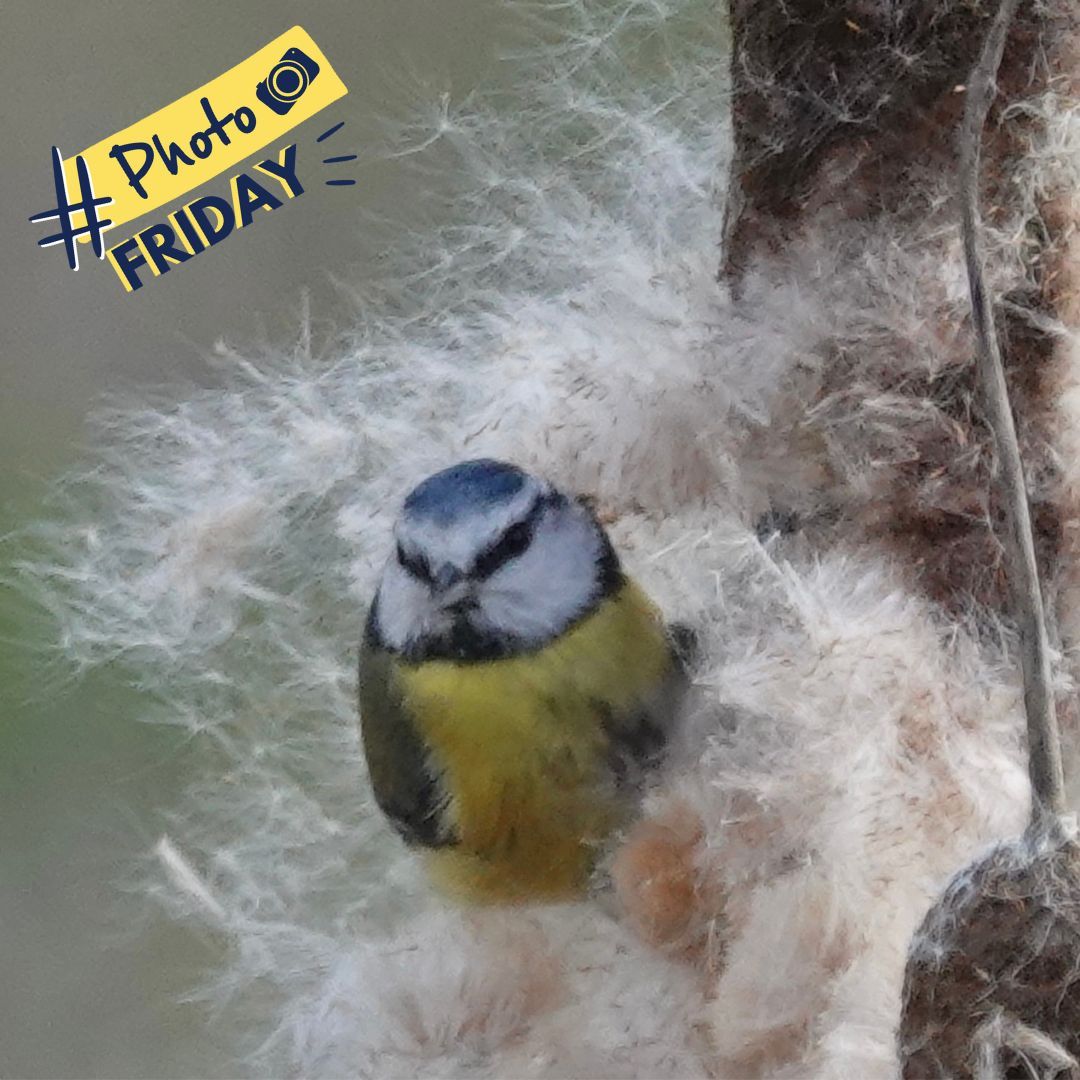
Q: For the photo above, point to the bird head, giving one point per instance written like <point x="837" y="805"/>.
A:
<point x="489" y="560"/>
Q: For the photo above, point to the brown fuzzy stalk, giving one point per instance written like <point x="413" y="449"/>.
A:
<point x="846" y="119"/>
<point x="992" y="986"/>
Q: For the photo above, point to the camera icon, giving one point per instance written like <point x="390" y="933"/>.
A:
<point x="287" y="80"/>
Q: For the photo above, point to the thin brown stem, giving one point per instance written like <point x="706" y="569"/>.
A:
<point x="1044" y="748"/>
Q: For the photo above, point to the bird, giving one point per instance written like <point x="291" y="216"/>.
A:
<point x="516" y="686"/>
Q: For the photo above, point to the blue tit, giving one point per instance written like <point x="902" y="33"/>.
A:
<point x="514" y="683"/>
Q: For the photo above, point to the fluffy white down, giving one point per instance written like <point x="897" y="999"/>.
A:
<point x="849" y="750"/>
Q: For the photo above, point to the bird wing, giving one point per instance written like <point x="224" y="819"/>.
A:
<point x="638" y="737"/>
<point x="406" y="785"/>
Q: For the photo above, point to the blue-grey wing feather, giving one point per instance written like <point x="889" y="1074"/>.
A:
<point x="406" y="786"/>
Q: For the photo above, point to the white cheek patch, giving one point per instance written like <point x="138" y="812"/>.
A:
<point x="407" y="610"/>
<point x="535" y="596"/>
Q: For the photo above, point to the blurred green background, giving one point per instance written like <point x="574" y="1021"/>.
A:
<point x="93" y="980"/>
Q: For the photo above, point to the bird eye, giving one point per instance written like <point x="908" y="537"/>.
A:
<point x="416" y="565"/>
<point x="509" y="546"/>
<point x="515" y="540"/>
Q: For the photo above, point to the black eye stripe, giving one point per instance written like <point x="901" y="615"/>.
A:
<point x="416" y="565"/>
<point x="515" y="541"/>
<point x="512" y="543"/>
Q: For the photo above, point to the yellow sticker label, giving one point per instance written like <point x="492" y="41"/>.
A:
<point x="162" y="157"/>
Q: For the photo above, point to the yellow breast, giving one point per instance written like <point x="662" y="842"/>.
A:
<point x="524" y="753"/>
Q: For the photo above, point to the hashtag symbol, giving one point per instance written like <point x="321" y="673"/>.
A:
<point x="94" y="228"/>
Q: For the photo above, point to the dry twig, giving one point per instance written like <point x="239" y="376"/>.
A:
<point x="1044" y="749"/>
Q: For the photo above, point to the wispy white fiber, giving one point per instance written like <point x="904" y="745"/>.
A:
<point x="849" y="746"/>
<point x="223" y="548"/>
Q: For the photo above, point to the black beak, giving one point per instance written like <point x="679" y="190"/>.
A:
<point x="446" y="577"/>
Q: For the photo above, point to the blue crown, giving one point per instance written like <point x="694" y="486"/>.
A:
<point x="463" y="489"/>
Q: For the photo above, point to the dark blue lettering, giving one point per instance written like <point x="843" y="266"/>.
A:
<point x="200" y="212"/>
<point x="120" y="151"/>
<point x="252" y="196"/>
<point x="171" y="156"/>
<point x="285" y="171"/>
<point x="187" y="227"/>
<point x="127" y="258"/>
<point x="160" y="244"/>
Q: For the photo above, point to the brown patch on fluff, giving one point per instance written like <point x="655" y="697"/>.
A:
<point x="657" y="882"/>
<point x="846" y="117"/>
